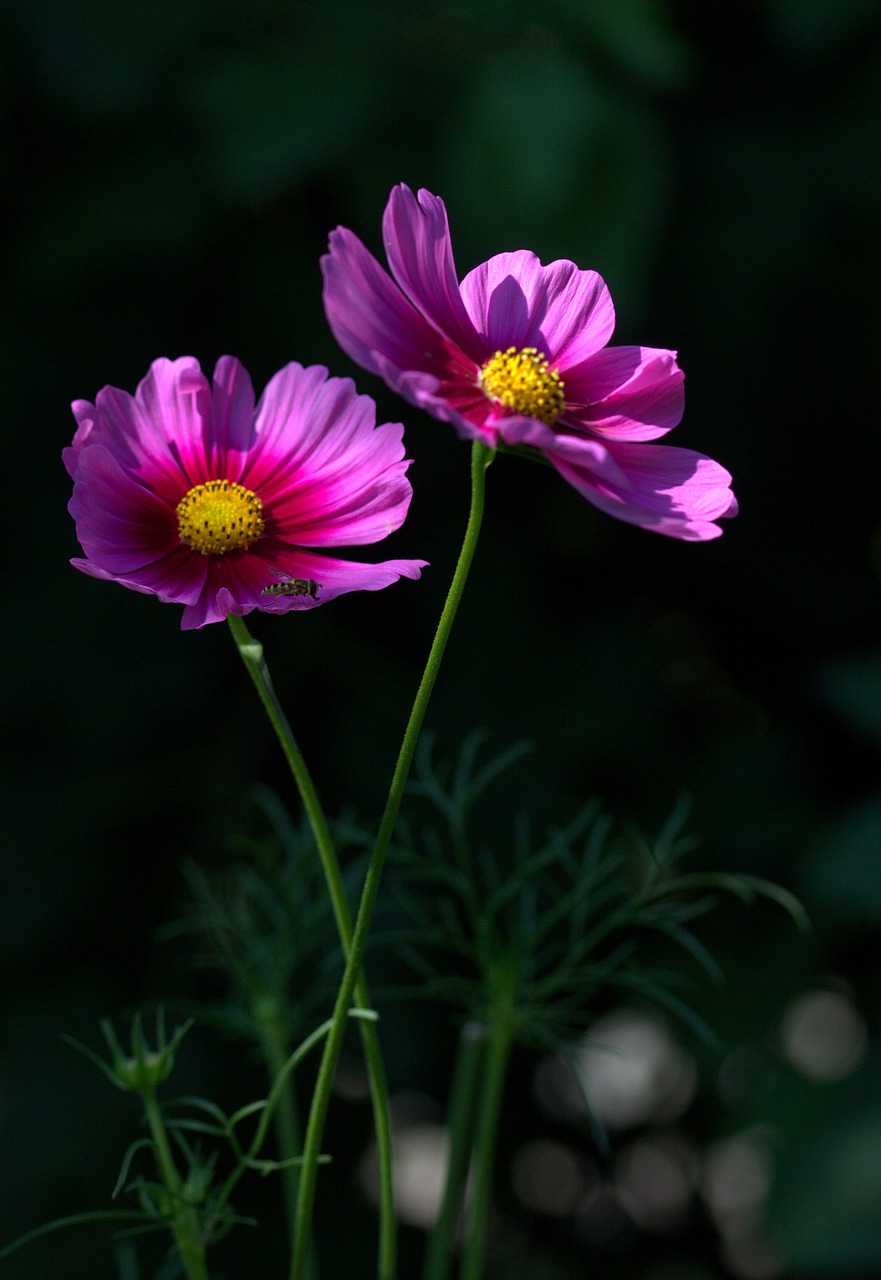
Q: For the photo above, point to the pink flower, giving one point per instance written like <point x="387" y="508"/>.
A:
<point x="187" y="492"/>
<point x="516" y="354"/>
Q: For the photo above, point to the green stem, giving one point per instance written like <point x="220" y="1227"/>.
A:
<point x="460" y="1121"/>
<point x="185" y="1222"/>
<point x="501" y="1025"/>
<point x="481" y="457"/>
<point x="252" y="655"/>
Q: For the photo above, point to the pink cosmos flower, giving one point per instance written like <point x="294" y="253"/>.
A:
<point x="188" y="492"/>
<point x="516" y="354"/>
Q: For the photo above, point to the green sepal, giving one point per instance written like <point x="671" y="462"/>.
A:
<point x="142" y="1069"/>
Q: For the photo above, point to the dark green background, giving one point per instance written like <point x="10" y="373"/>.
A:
<point x="169" y="173"/>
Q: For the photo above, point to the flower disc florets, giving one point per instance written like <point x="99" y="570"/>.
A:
<point x="524" y="382"/>
<point x="492" y="353"/>
<point x="217" y="517"/>
<point x="191" y="492"/>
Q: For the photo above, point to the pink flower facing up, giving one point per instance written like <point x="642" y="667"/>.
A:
<point x="516" y="353"/>
<point x="188" y="492"/>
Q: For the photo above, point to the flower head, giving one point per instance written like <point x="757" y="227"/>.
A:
<point x="516" y="353"/>
<point x="188" y="492"/>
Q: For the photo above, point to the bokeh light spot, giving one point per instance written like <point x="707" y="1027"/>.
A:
<point x="822" y="1034"/>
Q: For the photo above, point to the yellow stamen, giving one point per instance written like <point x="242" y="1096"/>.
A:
<point x="217" y="517"/>
<point x="523" y="382"/>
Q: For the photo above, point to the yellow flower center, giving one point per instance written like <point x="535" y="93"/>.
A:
<point x="522" y="381"/>
<point x="217" y="517"/>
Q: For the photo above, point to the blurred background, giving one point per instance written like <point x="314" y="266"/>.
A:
<point x="168" y="176"/>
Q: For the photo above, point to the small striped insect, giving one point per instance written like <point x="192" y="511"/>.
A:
<point x="287" y="586"/>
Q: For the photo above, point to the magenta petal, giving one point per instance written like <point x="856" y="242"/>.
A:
<point x="352" y="507"/>
<point x="174" y="409"/>
<point x="337" y="577"/>
<point x="514" y="301"/>
<point x="308" y="421"/>
<point x="232" y="585"/>
<point x="211" y="606"/>
<point x="120" y="525"/>
<point x="176" y="578"/>
<point x="625" y="393"/>
<point x="86" y="566"/>
<point x="163" y="426"/>
<point x="232" y="419"/>
<point x="370" y="317"/>
<point x="297" y="417"/>
<point x="417" y="243"/>
<point x="85" y="414"/>
<point x="672" y="491"/>
<point x="338" y="478"/>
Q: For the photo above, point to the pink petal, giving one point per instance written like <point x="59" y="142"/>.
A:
<point x="121" y="525"/>
<point x="86" y="566"/>
<point x="672" y="491"/>
<point x="306" y="420"/>
<point x="625" y="393"/>
<point x="297" y="408"/>
<point x="417" y="243"/>
<point x="514" y="301"/>
<point x="176" y="578"/>
<point x="232" y="585"/>
<point x="326" y="474"/>
<point x="232" y="419"/>
<point x="85" y="414"/>
<point x="668" y="490"/>
<point x="360" y="506"/>
<point x="369" y="316"/>
<point x="334" y="577"/>
<point x="161" y="431"/>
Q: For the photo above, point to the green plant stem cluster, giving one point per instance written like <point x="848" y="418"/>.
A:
<point x="185" y="1224"/>
<point x="539" y="933"/>
<point x="354" y="940"/>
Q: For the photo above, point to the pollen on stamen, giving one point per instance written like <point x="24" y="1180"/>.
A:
<point x="522" y="380"/>
<point x="218" y="517"/>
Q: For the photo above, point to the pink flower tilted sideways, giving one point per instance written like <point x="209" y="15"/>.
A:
<point x="516" y="354"/>
<point x="188" y="492"/>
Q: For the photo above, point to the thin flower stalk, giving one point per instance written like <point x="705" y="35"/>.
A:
<point x="252" y="655"/>
<point x="481" y="457"/>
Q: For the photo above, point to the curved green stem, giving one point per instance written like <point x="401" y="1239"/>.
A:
<point x="252" y="655"/>
<point x="267" y="1113"/>
<point x="481" y="457"/>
